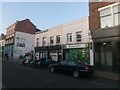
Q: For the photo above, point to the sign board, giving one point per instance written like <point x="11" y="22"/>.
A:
<point x="76" y="46"/>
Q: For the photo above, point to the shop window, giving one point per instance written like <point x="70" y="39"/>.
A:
<point x="71" y="63"/>
<point x="73" y="54"/>
<point x="63" y="62"/>
<point x="51" y="40"/>
<point x="78" y="36"/>
<point x="69" y="37"/>
<point x="58" y="39"/>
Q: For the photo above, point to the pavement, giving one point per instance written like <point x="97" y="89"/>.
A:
<point x="0" y="85"/>
<point x="108" y="75"/>
<point x="17" y="60"/>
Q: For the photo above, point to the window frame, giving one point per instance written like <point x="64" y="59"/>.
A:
<point x="37" y="42"/>
<point x="111" y="16"/>
<point x="69" y="37"/>
<point x="43" y="41"/>
<point x="58" y="39"/>
<point x="77" y="39"/>
<point x="51" y="40"/>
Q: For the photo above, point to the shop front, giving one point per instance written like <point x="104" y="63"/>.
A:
<point x="79" y="52"/>
<point x="106" y="56"/>
<point x="9" y="50"/>
<point x="53" y="53"/>
<point x="106" y="49"/>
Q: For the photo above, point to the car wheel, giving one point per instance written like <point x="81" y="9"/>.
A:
<point x="76" y="74"/>
<point x="52" y="69"/>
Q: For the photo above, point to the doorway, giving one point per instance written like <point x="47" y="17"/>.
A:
<point x="106" y="56"/>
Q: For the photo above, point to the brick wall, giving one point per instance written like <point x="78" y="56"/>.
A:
<point x="94" y="19"/>
<point x="25" y="26"/>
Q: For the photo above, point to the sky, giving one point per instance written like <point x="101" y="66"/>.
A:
<point x="42" y="14"/>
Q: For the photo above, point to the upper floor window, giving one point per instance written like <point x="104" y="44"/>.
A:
<point x="51" y="40"/>
<point x="3" y="43"/>
<point x="58" y="39"/>
<point x="69" y="37"/>
<point x="109" y="15"/>
<point x="21" y="40"/>
<point x="20" y="44"/>
<point x="78" y="36"/>
<point x="106" y="18"/>
<point x="37" y="42"/>
<point x="44" y="41"/>
<point x="116" y="14"/>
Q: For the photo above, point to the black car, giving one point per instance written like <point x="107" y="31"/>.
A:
<point x="74" y="67"/>
<point x="43" y="62"/>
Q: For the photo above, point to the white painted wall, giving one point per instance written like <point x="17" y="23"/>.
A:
<point x="81" y="24"/>
<point x="75" y="26"/>
<point x="54" y="31"/>
<point x="62" y="30"/>
<point x="29" y="43"/>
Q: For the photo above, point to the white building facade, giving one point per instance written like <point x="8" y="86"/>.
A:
<point x="48" y="43"/>
<point x="20" y="38"/>
<point x="77" y="41"/>
<point x="71" y="40"/>
<point x="23" y="43"/>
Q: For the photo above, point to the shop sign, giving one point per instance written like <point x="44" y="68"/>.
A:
<point x="76" y="46"/>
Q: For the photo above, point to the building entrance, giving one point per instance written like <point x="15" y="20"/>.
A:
<point x="106" y="56"/>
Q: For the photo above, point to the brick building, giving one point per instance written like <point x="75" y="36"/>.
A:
<point x="105" y="27"/>
<point x="20" y="38"/>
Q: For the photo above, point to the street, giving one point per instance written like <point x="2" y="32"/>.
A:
<point x="16" y="76"/>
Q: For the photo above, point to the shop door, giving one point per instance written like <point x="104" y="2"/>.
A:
<point x="66" y="54"/>
<point x="106" y="56"/>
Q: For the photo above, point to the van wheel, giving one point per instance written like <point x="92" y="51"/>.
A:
<point x="75" y="74"/>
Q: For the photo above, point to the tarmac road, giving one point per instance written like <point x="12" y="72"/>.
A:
<point x="16" y="76"/>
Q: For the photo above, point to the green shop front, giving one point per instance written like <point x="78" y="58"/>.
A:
<point x="79" y="52"/>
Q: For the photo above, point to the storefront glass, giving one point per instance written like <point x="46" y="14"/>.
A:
<point x="82" y="55"/>
<point x="103" y="55"/>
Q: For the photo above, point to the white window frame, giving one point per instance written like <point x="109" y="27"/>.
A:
<point x="69" y="37"/>
<point x="77" y="38"/>
<point x="43" y="41"/>
<point x="111" y="6"/>
<point x="51" y="39"/>
<point x="37" y="42"/>
<point x="116" y="14"/>
<point x="58" y="41"/>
